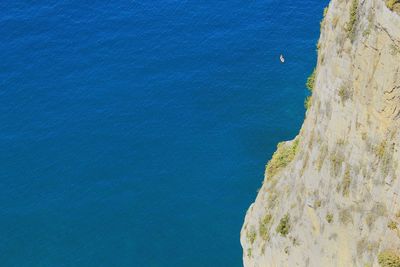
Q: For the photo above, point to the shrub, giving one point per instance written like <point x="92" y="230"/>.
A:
<point x="284" y="225"/>
<point x="350" y="27"/>
<point x="264" y="226"/>
<point x="329" y="217"/>
<point x="388" y="258"/>
<point x="307" y="102"/>
<point x="311" y="81"/>
<point x="251" y="235"/>
<point x="390" y="3"/>
<point x="392" y="225"/>
<point x="283" y="155"/>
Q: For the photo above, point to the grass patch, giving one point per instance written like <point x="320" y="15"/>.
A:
<point x="394" y="50"/>
<point x="370" y="220"/>
<point x="388" y="258"/>
<point x="284" y="225"/>
<point x="367" y="31"/>
<point x="249" y="252"/>
<point x="398" y="214"/>
<point x="336" y="161"/>
<point x="321" y="157"/>
<point x="380" y="149"/>
<point x="283" y="155"/>
<point x="346" y="182"/>
<point x="345" y="216"/>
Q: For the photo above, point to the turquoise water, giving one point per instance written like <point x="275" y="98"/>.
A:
<point x="135" y="133"/>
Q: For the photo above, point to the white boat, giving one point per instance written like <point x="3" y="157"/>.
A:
<point x="282" y="58"/>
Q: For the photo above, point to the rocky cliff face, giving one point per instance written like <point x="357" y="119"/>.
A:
<point x="331" y="196"/>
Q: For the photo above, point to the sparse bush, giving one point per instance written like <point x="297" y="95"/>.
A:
<point x="379" y="209"/>
<point x="346" y="182"/>
<point x="364" y="136"/>
<point x="345" y="216"/>
<point x="367" y="31"/>
<point x="335" y="21"/>
<point x="284" y="225"/>
<point x="325" y="11"/>
<point x="389" y="258"/>
<point x="249" y="252"/>
<point x="272" y="197"/>
<point x="322" y="156"/>
<point x="362" y="246"/>
<point x="317" y="203"/>
<point x="370" y="220"/>
<point x="380" y="149"/>
<point x="336" y="161"/>
<point x="282" y="157"/>
<point x="340" y="142"/>
<point x="398" y="214"/>
<point x="394" y="50"/>
<point x="329" y="217"/>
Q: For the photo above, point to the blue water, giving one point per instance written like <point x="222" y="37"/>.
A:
<point x="135" y="133"/>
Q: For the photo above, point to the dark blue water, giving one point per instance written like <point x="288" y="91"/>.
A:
<point x="135" y="133"/>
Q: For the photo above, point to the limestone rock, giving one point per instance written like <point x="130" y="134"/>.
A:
<point x="336" y="201"/>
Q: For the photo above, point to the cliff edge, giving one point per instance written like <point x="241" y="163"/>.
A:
<point x="331" y="196"/>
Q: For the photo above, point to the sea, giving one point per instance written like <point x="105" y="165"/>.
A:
<point x="136" y="133"/>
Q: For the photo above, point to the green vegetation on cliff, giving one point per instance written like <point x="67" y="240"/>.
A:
<point x="311" y="81"/>
<point x="283" y="155"/>
<point x="393" y="5"/>
<point x="388" y="259"/>
<point x="350" y="27"/>
<point x="283" y="226"/>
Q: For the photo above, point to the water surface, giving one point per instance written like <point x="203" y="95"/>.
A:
<point x="135" y="133"/>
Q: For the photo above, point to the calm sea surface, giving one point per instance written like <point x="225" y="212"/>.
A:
<point x="135" y="133"/>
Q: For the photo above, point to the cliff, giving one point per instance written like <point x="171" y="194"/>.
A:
<point x="331" y="196"/>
